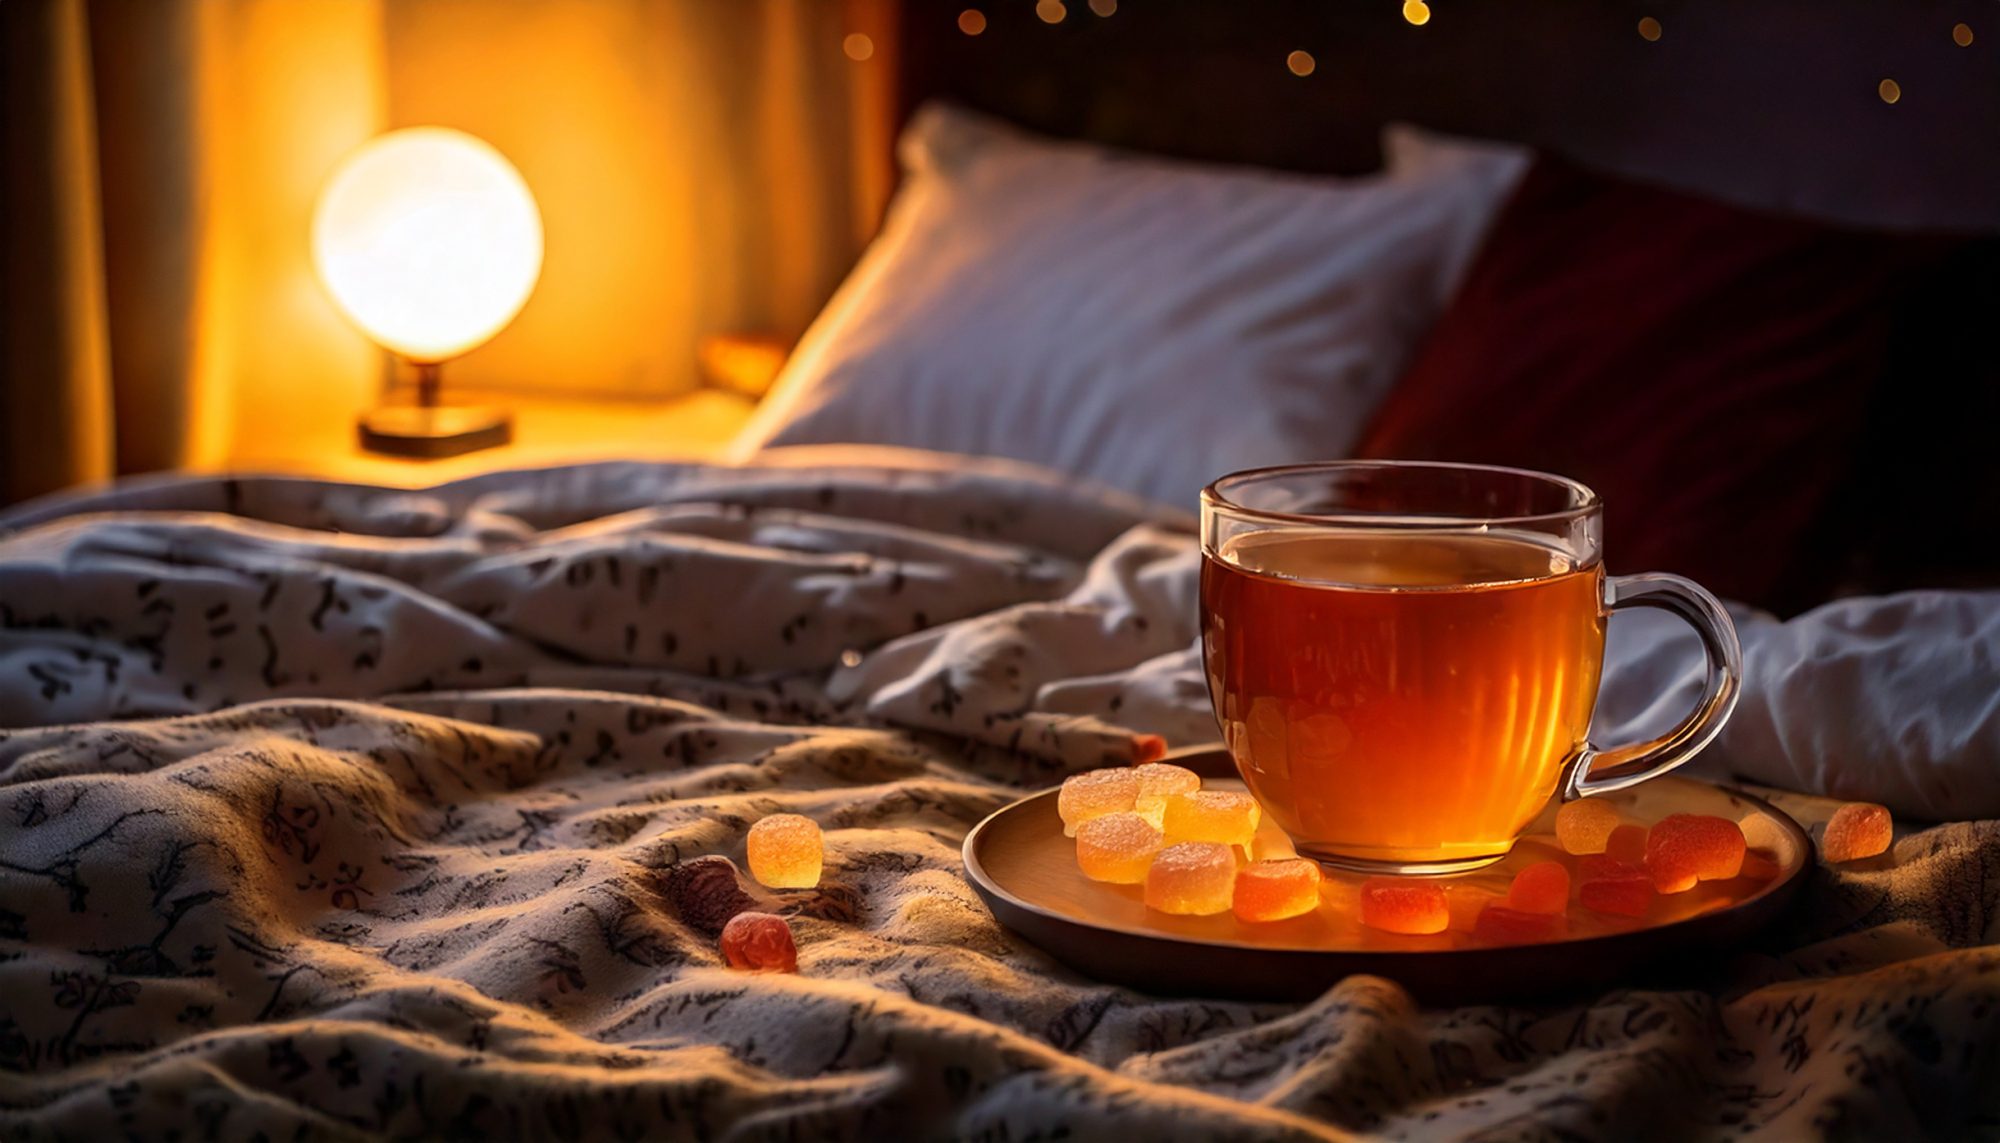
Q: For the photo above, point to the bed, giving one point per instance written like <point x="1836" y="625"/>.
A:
<point x="338" y="811"/>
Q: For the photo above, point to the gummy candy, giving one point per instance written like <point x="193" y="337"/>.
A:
<point x="1157" y="782"/>
<point x="1857" y="830"/>
<point x="785" y="851"/>
<point x="1540" y="888"/>
<point x="1118" y="848"/>
<point x="1212" y="815"/>
<point x="705" y="892"/>
<point x="1612" y="886"/>
<point x="1194" y="877"/>
<point x="1627" y="843"/>
<point x="1274" y="890"/>
<point x="1501" y="925"/>
<point x="1094" y="793"/>
<point x="1583" y="826"/>
<point x="1760" y="831"/>
<point x="759" y="942"/>
<point x="1396" y="905"/>
<point x="1684" y="848"/>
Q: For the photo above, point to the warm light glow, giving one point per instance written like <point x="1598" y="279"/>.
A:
<point x="1417" y="12"/>
<point x="1104" y="7"/>
<point x="972" y="21"/>
<point x="1649" y="29"/>
<point x="858" y="47"/>
<point x="1889" y="90"/>
<point x="428" y="239"/>
<point x="1301" y="63"/>
<point x="1962" y="35"/>
<point x="1051" y="11"/>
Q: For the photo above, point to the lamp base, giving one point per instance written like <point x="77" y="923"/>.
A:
<point x="433" y="432"/>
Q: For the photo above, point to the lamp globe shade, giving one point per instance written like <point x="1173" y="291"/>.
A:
<point x="429" y="240"/>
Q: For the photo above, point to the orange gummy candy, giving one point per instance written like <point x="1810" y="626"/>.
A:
<point x="1397" y="905"/>
<point x="1685" y="848"/>
<point x="1857" y="830"/>
<point x="785" y="851"/>
<point x="1274" y="890"/>
<point x="1540" y="888"/>
<point x="1501" y="925"/>
<point x="1159" y="781"/>
<point x="1612" y="886"/>
<point x="1627" y="843"/>
<point x="759" y="942"/>
<point x="1118" y="848"/>
<point x="1094" y="793"/>
<point x="1212" y="815"/>
<point x="1194" y="877"/>
<point x="1583" y="826"/>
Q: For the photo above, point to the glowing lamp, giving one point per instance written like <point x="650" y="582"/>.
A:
<point x="428" y="239"/>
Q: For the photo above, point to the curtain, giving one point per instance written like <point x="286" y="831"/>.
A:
<point x="702" y="166"/>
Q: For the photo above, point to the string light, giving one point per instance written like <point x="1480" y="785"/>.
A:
<point x="1104" y="7"/>
<point x="1301" y="63"/>
<point x="1962" y="35"/>
<point x="858" y="47"/>
<point x="1051" y="11"/>
<point x="1889" y="90"/>
<point x="1417" y="12"/>
<point x="972" y="21"/>
<point x="1649" y="29"/>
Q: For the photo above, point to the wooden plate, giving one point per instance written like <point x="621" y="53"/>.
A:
<point x="1025" y="870"/>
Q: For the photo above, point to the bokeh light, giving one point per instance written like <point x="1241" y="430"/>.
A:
<point x="1889" y="90"/>
<point x="1300" y="63"/>
<point x="972" y="21"/>
<point x="858" y="47"/>
<point x="1417" y="12"/>
<point x="1649" y="29"/>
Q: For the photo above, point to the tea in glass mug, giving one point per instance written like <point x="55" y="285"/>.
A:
<point x="1403" y="657"/>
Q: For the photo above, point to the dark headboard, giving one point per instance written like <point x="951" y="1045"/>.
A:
<point x="1773" y="103"/>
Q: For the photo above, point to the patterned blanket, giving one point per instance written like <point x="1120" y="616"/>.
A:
<point x="334" y="812"/>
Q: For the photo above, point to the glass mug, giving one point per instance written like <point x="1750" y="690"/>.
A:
<point x="1404" y="656"/>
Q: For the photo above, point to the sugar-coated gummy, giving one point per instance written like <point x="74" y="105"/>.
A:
<point x="1857" y="830"/>
<point x="759" y="942"/>
<point x="1403" y="905"/>
<point x="1542" y="887"/>
<point x="785" y="851"/>
<point x="1094" y="793"/>
<point x="1117" y="848"/>
<point x="1192" y="877"/>
<point x="1583" y="826"/>
<point x="1277" y="889"/>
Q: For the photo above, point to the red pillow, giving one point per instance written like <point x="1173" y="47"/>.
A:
<point x="1704" y="367"/>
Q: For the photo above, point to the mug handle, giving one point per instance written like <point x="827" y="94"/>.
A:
<point x="1601" y="770"/>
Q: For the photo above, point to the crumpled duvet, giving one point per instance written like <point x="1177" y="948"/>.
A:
<point x="337" y="812"/>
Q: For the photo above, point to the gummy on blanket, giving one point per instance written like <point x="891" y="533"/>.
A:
<point x="1398" y="905"/>
<point x="759" y="942"/>
<point x="1194" y="877"/>
<point x="1094" y="793"/>
<point x="1542" y="887"/>
<point x="1117" y="848"/>
<point x="706" y="892"/>
<point x="785" y="851"/>
<point x="1682" y="849"/>
<point x="1857" y="830"/>
<point x="1157" y="782"/>
<point x="1275" y="890"/>
<point x="1583" y="826"/>
<point x="1609" y="885"/>
<point x="1212" y="815"/>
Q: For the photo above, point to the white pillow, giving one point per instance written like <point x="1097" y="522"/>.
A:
<point x="1147" y="323"/>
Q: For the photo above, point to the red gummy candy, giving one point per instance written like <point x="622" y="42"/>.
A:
<point x="1627" y="843"/>
<point x="1685" y="848"/>
<point x="1612" y="886"/>
<point x="1540" y="888"/>
<point x="759" y="942"/>
<point x="1500" y="925"/>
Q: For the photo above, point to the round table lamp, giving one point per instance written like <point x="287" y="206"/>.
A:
<point x="428" y="239"/>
